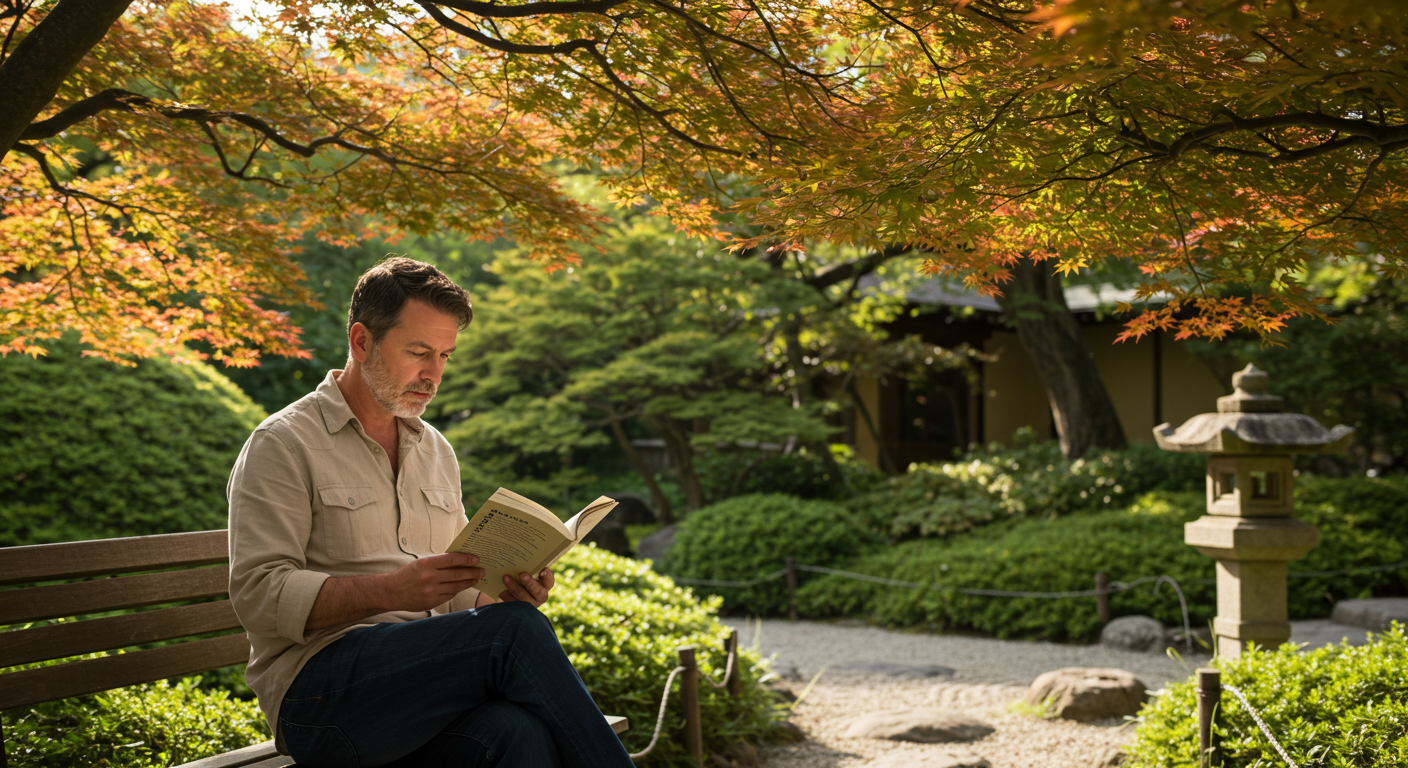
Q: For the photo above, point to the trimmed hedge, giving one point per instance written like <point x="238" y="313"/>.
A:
<point x="750" y="536"/>
<point x="1064" y="554"/>
<point x="90" y="449"/>
<point x="1027" y="481"/>
<point x="1335" y="706"/>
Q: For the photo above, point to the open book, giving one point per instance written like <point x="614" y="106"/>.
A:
<point x="512" y="534"/>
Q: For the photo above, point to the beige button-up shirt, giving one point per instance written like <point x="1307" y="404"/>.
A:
<point x="311" y="496"/>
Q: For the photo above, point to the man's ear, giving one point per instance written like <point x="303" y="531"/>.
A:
<point x="359" y="342"/>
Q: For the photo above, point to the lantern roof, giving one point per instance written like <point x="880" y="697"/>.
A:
<point x="1251" y="421"/>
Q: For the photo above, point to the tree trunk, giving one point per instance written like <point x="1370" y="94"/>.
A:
<point x="682" y="460"/>
<point x="33" y="72"/>
<point x="663" y="513"/>
<point x="1085" y="415"/>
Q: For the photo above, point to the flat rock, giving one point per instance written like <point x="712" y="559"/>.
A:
<point x="1376" y="613"/>
<point x="1087" y="693"/>
<point x="901" y="671"/>
<point x="923" y="726"/>
<point x="1310" y="634"/>
<point x="1133" y="633"/>
<point x="946" y="757"/>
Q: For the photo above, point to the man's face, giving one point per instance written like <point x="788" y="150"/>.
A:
<point x="404" y="368"/>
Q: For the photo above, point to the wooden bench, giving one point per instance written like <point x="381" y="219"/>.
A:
<point x="138" y="572"/>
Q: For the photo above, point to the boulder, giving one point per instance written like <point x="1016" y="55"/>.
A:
<point x="654" y="546"/>
<point x="901" y="671"/>
<point x="1133" y="633"/>
<point x="1375" y="613"/>
<point x="1082" y="693"/>
<point x="632" y="509"/>
<point x="946" y="757"/>
<point x="923" y="726"/>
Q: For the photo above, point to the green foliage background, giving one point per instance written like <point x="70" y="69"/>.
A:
<point x="750" y="536"/>
<point x="157" y="724"/>
<point x="89" y="449"/>
<point x="1032" y="479"/>
<point x="1063" y="554"/>
<point x="1333" y="707"/>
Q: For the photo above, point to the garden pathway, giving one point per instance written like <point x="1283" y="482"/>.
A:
<point x="988" y="676"/>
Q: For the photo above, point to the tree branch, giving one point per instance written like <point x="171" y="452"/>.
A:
<point x="496" y="11"/>
<point x="497" y="44"/>
<point x="31" y="76"/>
<point x="856" y="269"/>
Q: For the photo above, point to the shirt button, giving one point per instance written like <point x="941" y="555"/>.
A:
<point x="403" y="539"/>
<point x="350" y="500"/>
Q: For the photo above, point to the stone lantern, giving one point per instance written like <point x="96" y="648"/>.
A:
<point x="1250" y="526"/>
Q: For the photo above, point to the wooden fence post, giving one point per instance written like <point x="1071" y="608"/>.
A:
<point x="689" y="695"/>
<point x="1209" y="704"/>
<point x="1102" y="597"/>
<point x="733" y="682"/>
<point x="792" y="588"/>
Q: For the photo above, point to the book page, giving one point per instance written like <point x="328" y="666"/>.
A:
<point x="583" y="522"/>
<point x="509" y="540"/>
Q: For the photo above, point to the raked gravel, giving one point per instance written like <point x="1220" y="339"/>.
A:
<point x="989" y="676"/>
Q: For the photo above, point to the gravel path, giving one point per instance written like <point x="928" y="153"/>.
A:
<point x="988" y="676"/>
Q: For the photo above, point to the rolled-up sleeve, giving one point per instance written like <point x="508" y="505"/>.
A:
<point x="271" y="520"/>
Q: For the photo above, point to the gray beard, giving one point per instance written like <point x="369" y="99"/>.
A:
<point x="385" y="392"/>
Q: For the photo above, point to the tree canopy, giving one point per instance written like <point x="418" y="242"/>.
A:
<point x="153" y="190"/>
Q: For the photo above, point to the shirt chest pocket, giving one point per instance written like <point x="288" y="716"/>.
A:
<point x="352" y="521"/>
<point x="444" y="515"/>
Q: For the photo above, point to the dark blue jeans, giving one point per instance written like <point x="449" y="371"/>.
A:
<point x="487" y="687"/>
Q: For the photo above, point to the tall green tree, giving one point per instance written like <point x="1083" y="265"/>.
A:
<point x="658" y="330"/>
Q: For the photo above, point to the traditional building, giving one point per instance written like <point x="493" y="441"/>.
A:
<point x="1153" y="381"/>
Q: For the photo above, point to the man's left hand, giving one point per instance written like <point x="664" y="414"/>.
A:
<point x="528" y="589"/>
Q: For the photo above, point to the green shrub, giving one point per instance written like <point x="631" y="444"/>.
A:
<point x="1063" y="554"/>
<point x="1030" y="480"/>
<point x="620" y="623"/>
<point x="750" y="536"/>
<point x="801" y="473"/>
<point x="1334" y="706"/>
<point x="158" y="724"/>
<point x="90" y="449"/>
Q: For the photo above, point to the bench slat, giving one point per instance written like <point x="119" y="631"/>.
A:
<point x="20" y="689"/>
<point x="82" y="597"/>
<point x="282" y="761"/>
<point x="57" y="641"/>
<point x="43" y="562"/>
<point x="239" y="757"/>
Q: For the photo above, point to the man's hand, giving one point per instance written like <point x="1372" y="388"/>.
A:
<point x="427" y="582"/>
<point x="417" y="586"/>
<point x="527" y="589"/>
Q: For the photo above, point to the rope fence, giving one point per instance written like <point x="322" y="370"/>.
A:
<point x="1210" y="688"/>
<point x="1209" y="685"/>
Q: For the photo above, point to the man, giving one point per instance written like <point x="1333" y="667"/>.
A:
<point x="369" y="646"/>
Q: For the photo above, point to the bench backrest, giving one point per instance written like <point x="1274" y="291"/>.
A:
<point x="119" y="574"/>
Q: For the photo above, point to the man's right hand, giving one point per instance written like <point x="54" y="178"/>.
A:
<point x="427" y="582"/>
<point x="417" y="586"/>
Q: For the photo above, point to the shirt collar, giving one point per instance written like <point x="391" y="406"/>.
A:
<point x="336" y="411"/>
